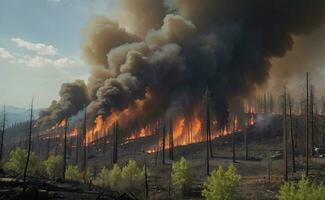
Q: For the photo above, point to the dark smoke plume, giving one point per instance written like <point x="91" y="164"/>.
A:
<point x="73" y="97"/>
<point x="223" y="45"/>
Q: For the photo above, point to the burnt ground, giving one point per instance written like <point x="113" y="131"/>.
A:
<point x="261" y="176"/>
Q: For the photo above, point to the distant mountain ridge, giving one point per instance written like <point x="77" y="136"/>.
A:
<point x="17" y="114"/>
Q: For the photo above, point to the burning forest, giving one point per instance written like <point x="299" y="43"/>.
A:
<point x="193" y="83"/>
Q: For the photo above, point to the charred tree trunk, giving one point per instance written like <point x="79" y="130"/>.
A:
<point x="104" y="141"/>
<point x="292" y="137"/>
<point x="29" y="145"/>
<point x="271" y="103"/>
<point x="264" y="103"/>
<point x="307" y="127"/>
<point x="115" y="157"/>
<point x="312" y="119"/>
<point x="323" y="132"/>
<point x="146" y="186"/>
<point x="163" y="143"/>
<point x="246" y="144"/>
<point x="84" y="143"/>
<point x="233" y="148"/>
<point x="210" y="138"/>
<point x="191" y="133"/>
<point x="65" y="149"/>
<point x="171" y="140"/>
<point x="285" y="154"/>
<point x="207" y="133"/>
<point x="77" y="148"/>
<point x="3" y="132"/>
<point x="157" y="130"/>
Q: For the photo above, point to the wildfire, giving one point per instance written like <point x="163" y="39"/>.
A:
<point x="191" y="131"/>
<point x="63" y="123"/>
<point x="185" y="130"/>
<point x="99" y="128"/>
<point x="73" y="133"/>
<point x="139" y="134"/>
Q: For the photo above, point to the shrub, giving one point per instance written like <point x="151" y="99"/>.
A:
<point x="72" y="173"/>
<point x="132" y="177"/>
<point x="115" y="177"/>
<point x="181" y="175"/>
<point x="104" y="177"/>
<point x="221" y="185"/>
<point x="303" y="190"/>
<point x="17" y="162"/>
<point x="53" y="166"/>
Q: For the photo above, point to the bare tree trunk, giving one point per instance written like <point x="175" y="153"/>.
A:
<point x="163" y="143"/>
<point x="115" y="157"/>
<point x="77" y="148"/>
<point x="65" y="148"/>
<point x="84" y="143"/>
<point x="323" y="132"/>
<point x="104" y="140"/>
<point x="292" y="137"/>
<point x="3" y="132"/>
<point x="157" y="130"/>
<point x="207" y="133"/>
<point x="171" y="140"/>
<point x="307" y="128"/>
<point x="271" y="103"/>
<point x="264" y="103"/>
<point x="312" y="119"/>
<point x="269" y="166"/>
<point x="29" y="145"/>
<point x="246" y="143"/>
<point x="146" y="187"/>
<point x="210" y="138"/>
<point x="191" y="130"/>
<point x="233" y="148"/>
<point x="285" y="156"/>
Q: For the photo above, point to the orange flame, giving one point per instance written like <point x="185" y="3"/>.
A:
<point x="73" y="133"/>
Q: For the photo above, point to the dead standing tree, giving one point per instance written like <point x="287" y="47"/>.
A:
<point x="208" y="133"/>
<point x="115" y="143"/>
<point x="312" y="119"/>
<point x="65" y="148"/>
<point x="3" y="132"/>
<point x="285" y="143"/>
<point x="171" y="140"/>
<point x="104" y="139"/>
<point x="292" y="136"/>
<point x="84" y="143"/>
<point x="29" y="144"/>
<point x="163" y="142"/>
<point x="233" y="140"/>
<point x="307" y="127"/>
<point x="77" y="148"/>
<point x="246" y="144"/>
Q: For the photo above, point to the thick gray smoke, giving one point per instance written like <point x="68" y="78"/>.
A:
<point x="225" y="45"/>
<point x="73" y="97"/>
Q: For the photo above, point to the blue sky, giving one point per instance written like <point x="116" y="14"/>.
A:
<point x="40" y="46"/>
